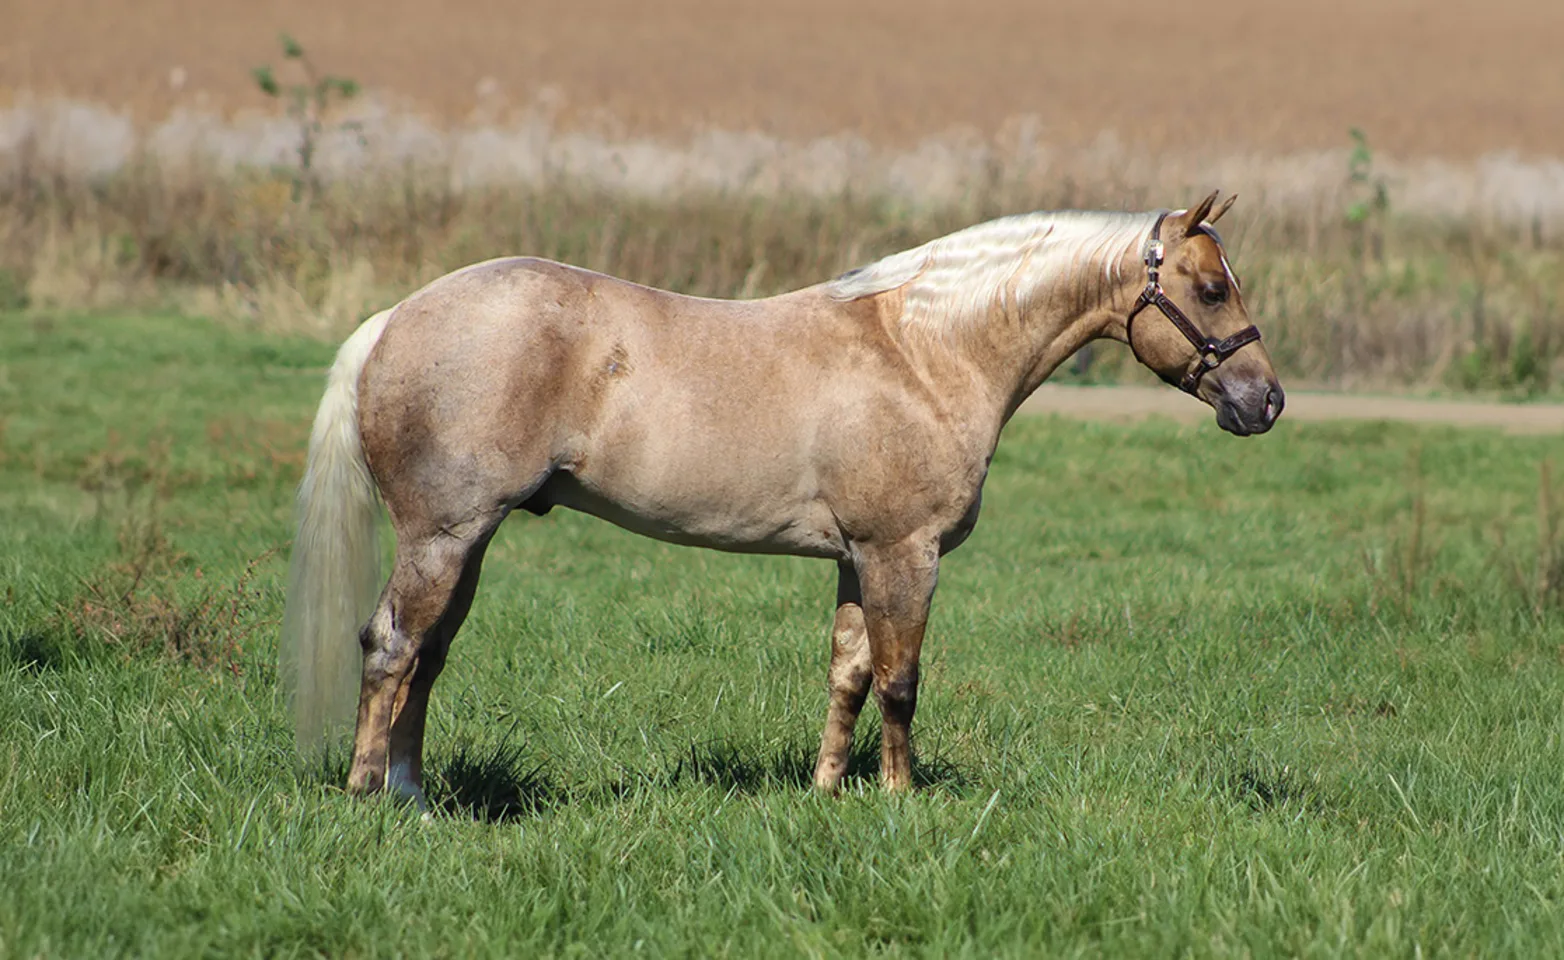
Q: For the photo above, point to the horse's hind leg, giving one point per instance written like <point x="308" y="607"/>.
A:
<point x="405" y="766"/>
<point x="430" y="591"/>
<point x="848" y="681"/>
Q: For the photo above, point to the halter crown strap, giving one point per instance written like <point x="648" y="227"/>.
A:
<point x="1209" y="351"/>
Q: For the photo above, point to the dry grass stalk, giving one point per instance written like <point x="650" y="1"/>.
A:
<point x="1470" y="304"/>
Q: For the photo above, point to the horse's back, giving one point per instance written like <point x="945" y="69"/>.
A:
<point x="511" y="370"/>
<point x="737" y="424"/>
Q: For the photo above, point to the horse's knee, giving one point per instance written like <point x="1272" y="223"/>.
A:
<point x="897" y="693"/>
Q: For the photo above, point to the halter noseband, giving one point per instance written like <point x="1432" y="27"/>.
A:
<point x="1210" y="352"/>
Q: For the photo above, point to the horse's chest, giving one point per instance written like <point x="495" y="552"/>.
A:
<point x="937" y="496"/>
<point x="958" y="533"/>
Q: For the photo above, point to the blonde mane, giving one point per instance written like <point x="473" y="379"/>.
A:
<point x="956" y="279"/>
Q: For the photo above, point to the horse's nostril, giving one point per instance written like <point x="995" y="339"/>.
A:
<point x="1273" y="405"/>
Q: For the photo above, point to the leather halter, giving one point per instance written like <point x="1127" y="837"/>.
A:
<point x="1210" y="352"/>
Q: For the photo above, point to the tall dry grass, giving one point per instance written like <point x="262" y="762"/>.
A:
<point x="1399" y="301"/>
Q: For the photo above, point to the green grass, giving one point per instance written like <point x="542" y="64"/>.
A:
<point x="1182" y="694"/>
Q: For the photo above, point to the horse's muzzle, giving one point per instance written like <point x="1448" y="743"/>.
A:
<point x="1249" y="411"/>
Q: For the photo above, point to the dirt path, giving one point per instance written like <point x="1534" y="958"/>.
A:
<point x="1134" y="403"/>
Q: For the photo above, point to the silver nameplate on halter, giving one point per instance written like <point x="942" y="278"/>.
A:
<point x="1154" y="254"/>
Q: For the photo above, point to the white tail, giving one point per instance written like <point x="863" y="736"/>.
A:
<point x="334" y="573"/>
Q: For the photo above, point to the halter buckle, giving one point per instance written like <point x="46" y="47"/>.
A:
<point x="1154" y="255"/>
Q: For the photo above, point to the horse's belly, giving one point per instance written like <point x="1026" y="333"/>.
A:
<point x="787" y="525"/>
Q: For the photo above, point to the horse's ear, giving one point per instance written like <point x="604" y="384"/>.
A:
<point x="1226" y="205"/>
<point x="1187" y="221"/>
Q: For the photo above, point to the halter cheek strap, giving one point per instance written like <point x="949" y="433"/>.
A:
<point x="1209" y="351"/>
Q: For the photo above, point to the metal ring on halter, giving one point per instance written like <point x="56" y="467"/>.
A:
<point x="1209" y="351"/>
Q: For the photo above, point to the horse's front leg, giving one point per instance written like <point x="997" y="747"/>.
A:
<point x="897" y="584"/>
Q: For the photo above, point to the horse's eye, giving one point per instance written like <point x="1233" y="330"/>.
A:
<point x="1213" y="294"/>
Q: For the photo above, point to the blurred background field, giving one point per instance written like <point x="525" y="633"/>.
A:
<point x="745" y="149"/>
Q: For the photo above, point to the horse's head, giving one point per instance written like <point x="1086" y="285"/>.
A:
<point x="1190" y="327"/>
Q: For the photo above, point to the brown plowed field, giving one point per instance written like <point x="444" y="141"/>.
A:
<point x="1424" y="77"/>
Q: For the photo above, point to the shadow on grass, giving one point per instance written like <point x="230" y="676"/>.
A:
<point x="487" y="785"/>
<point x="498" y="784"/>
<point x="491" y="785"/>
<point x="1265" y="790"/>
<point x="32" y="650"/>
<point x="747" y="770"/>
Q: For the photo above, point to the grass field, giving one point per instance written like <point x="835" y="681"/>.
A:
<point x="1183" y="694"/>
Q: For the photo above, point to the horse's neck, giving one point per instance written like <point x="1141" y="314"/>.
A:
<point x="1058" y="337"/>
<point x="1010" y="348"/>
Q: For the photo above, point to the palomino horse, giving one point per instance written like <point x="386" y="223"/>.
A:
<point x="852" y="421"/>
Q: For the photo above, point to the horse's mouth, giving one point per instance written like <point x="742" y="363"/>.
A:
<point x="1244" y="420"/>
